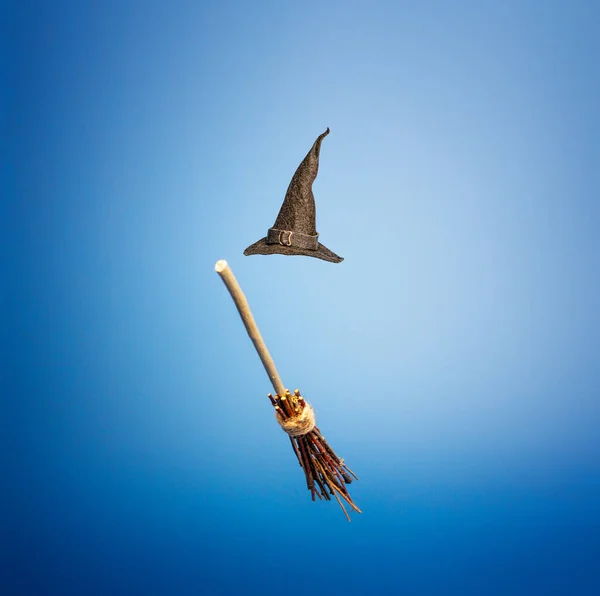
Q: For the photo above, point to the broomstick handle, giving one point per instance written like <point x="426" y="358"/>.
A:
<point x="241" y="303"/>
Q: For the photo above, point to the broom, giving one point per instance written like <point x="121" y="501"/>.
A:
<point x="326" y="474"/>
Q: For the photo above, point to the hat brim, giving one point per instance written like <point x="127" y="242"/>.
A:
<point x="262" y="248"/>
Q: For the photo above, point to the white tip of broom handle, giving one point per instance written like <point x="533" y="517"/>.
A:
<point x="221" y="265"/>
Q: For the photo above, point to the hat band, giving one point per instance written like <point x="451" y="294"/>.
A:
<point x="290" y="238"/>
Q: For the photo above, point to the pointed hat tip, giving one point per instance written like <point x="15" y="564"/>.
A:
<point x="322" y="136"/>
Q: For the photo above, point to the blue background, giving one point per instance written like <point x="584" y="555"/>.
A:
<point x="452" y="358"/>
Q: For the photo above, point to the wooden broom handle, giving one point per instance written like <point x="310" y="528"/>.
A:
<point x="231" y="283"/>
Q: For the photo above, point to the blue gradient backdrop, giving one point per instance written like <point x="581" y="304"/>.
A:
<point x="453" y="357"/>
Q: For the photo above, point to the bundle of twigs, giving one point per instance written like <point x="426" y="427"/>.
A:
<point x="326" y="474"/>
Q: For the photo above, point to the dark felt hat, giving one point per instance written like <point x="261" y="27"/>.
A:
<point x="294" y="231"/>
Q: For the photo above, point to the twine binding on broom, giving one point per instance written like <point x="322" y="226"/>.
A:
<point x="298" y="425"/>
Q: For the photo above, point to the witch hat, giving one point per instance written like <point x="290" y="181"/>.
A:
<point x="294" y="231"/>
